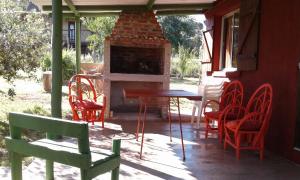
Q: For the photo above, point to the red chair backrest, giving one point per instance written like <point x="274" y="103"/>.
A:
<point x="81" y="88"/>
<point x="261" y="102"/>
<point x="232" y="95"/>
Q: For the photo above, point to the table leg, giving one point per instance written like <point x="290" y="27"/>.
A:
<point x="143" y="130"/>
<point x="170" y="120"/>
<point x="138" y="124"/>
<point x="181" y="134"/>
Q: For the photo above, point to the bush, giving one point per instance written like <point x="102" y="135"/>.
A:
<point x="68" y="63"/>
<point x="185" y="64"/>
<point x="46" y="62"/>
<point x="38" y="110"/>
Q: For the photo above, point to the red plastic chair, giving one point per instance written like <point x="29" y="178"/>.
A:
<point x="232" y="95"/>
<point x="248" y="131"/>
<point x="83" y="100"/>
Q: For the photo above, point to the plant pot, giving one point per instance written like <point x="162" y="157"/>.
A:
<point x="47" y="80"/>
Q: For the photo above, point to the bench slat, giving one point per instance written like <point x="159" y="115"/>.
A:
<point x="49" y="125"/>
<point x="64" y="155"/>
<point x="104" y="167"/>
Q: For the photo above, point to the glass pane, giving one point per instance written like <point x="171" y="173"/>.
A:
<point x="230" y="41"/>
<point x="235" y="29"/>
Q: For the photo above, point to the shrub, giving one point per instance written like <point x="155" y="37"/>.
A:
<point x="68" y="63"/>
<point x="185" y="64"/>
<point x="38" y="110"/>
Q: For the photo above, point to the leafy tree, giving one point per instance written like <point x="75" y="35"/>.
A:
<point x="182" y="30"/>
<point x="185" y="63"/>
<point x="101" y="27"/>
<point x="24" y="37"/>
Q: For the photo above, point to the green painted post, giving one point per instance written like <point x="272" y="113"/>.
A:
<point x="78" y="44"/>
<point x="15" y="158"/>
<point x="56" y="58"/>
<point x="16" y="166"/>
<point x="56" y="91"/>
<point x="116" y="149"/>
<point x="49" y="170"/>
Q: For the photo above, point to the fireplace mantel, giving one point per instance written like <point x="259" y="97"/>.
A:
<point x="136" y="77"/>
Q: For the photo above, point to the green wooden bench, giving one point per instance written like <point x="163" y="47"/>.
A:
<point x="91" y="164"/>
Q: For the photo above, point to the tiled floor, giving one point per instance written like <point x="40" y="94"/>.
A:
<point x="162" y="159"/>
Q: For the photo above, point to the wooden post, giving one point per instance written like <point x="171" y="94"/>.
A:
<point x="116" y="149"/>
<point x="78" y="44"/>
<point x="56" y="92"/>
<point x="56" y="58"/>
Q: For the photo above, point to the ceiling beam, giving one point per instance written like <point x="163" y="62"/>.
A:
<point x="182" y="6"/>
<point x="72" y="7"/>
<point x="150" y="4"/>
<point x="92" y="14"/>
<point x="182" y="12"/>
<point x="137" y="7"/>
<point x="158" y="13"/>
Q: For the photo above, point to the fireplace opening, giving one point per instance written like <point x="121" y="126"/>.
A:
<point x="136" y="60"/>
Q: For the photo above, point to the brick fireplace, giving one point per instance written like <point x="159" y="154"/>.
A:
<point x="136" y="55"/>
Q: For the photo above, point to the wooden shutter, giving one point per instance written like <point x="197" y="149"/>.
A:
<point x="248" y="35"/>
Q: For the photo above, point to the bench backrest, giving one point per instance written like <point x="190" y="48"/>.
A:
<point x="50" y="125"/>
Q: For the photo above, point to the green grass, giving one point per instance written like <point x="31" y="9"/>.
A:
<point x="29" y="98"/>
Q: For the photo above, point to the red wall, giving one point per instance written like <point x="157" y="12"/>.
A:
<point x="279" y="54"/>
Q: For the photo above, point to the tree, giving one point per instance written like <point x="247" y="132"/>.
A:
<point x="101" y="27"/>
<point x="182" y="30"/>
<point x="24" y="37"/>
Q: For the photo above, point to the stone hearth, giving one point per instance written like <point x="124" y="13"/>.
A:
<point x="136" y="55"/>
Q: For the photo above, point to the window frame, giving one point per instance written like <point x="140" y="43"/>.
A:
<point x="222" y="42"/>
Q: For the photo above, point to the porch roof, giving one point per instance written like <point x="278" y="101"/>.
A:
<point x="162" y="7"/>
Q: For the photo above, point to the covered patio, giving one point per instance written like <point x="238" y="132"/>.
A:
<point x="205" y="158"/>
<point x="265" y="61"/>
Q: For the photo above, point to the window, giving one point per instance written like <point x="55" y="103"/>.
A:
<point x="229" y="47"/>
<point x="71" y="33"/>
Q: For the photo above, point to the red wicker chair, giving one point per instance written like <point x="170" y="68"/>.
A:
<point x="83" y="100"/>
<point x="232" y="95"/>
<point x="248" y="131"/>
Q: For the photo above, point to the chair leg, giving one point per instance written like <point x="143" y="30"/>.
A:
<point x="225" y="138"/>
<point x="225" y="144"/>
<point x="115" y="174"/>
<point x="16" y="166"/>
<point x="220" y="130"/>
<point x="199" y="114"/>
<point x="49" y="170"/>
<point x="102" y="117"/>
<point x="207" y="127"/>
<point x="193" y="114"/>
<point x="261" y="149"/>
<point x="143" y="131"/>
<point x="238" y="145"/>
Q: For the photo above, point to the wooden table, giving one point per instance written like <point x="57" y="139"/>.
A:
<point x="143" y="94"/>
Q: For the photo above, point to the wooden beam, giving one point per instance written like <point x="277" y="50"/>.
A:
<point x="92" y="14"/>
<point x="182" y="12"/>
<point x="150" y="4"/>
<point x="136" y="7"/>
<point x="72" y="7"/>
<point x="182" y="6"/>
